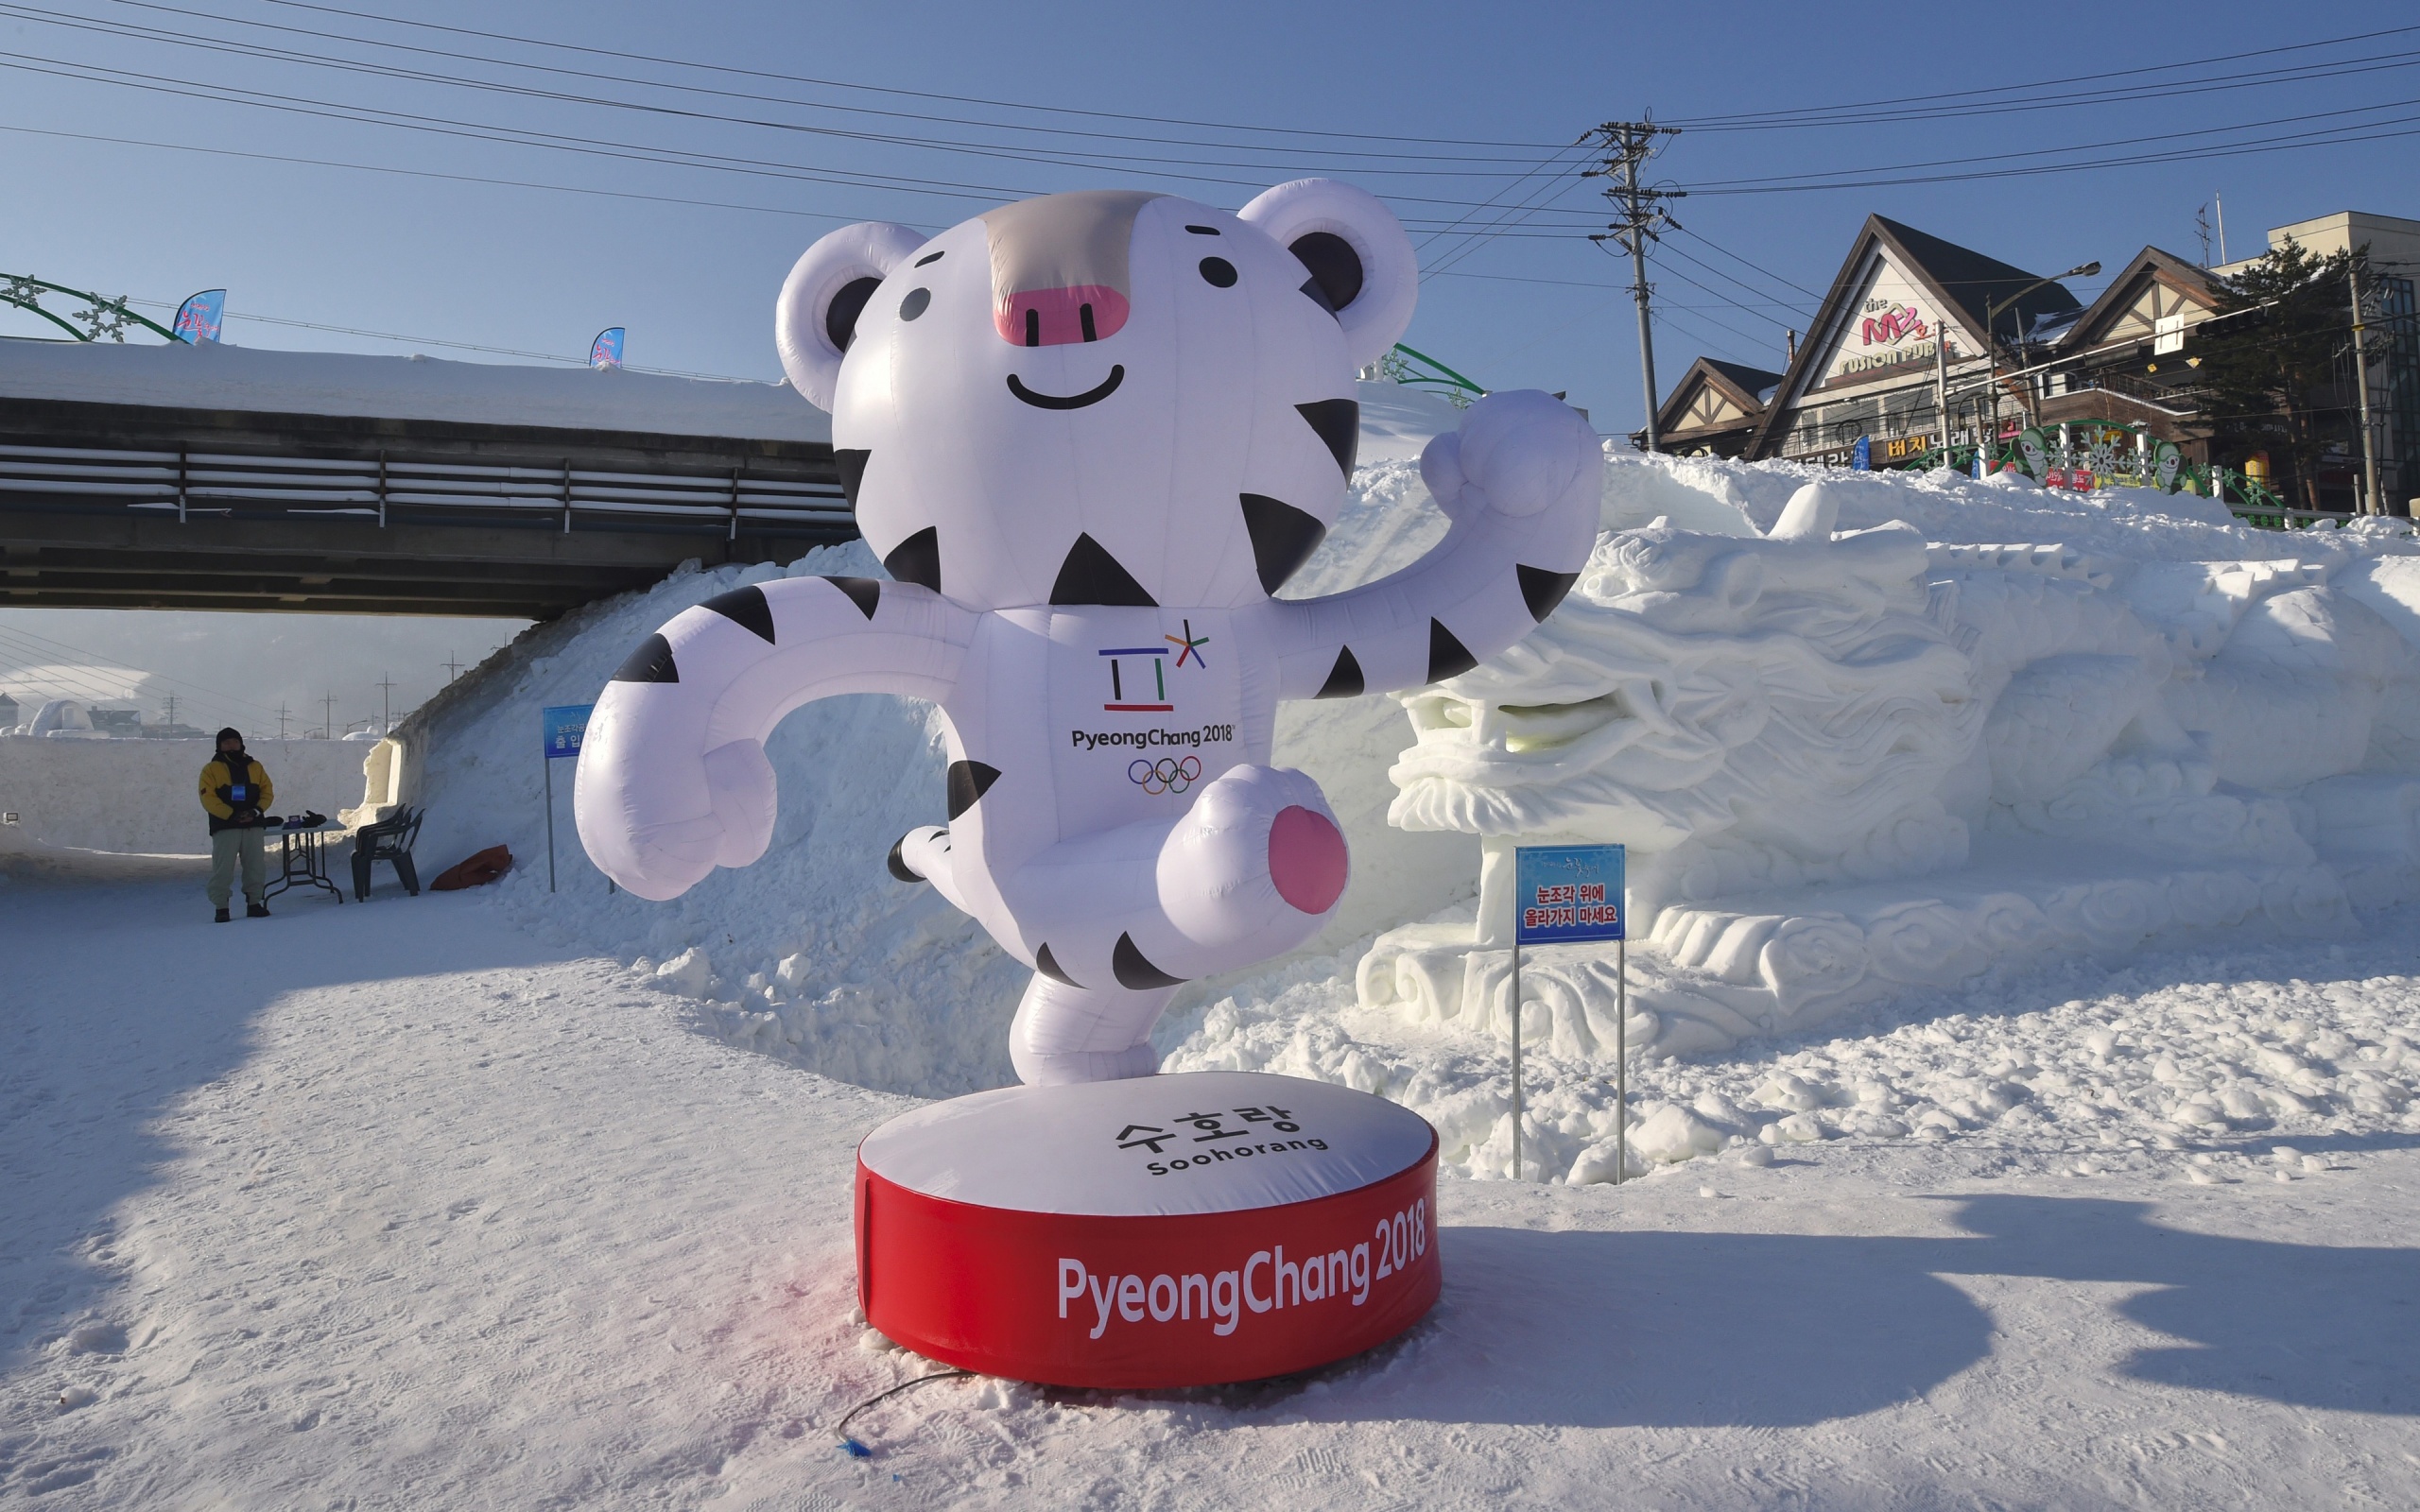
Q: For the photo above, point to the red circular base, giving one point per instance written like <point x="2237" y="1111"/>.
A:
<point x="1245" y="1239"/>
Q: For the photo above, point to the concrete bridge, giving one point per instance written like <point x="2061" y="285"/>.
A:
<point x="229" y="478"/>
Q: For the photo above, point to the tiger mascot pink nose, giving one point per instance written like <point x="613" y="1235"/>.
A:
<point x="1085" y="523"/>
<point x="1053" y="317"/>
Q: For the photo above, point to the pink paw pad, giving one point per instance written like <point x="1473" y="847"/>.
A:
<point x="1306" y="859"/>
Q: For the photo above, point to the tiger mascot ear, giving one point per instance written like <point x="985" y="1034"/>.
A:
<point x="821" y="300"/>
<point x="1356" y="253"/>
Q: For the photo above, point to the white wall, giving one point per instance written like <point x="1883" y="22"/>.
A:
<point x="139" y="795"/>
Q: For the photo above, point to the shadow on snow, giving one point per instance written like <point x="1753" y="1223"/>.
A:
<point x="1702" y="1330"/>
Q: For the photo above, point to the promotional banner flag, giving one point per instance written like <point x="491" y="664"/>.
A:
<point x="606" y="351"/>
<point x="1861" y="454"/>
<point x="198" y="318"/>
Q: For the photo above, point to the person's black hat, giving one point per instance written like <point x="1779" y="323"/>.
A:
<point x="221" y="738"/>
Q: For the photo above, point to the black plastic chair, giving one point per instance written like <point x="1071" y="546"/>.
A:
<point x="389" y="841"/>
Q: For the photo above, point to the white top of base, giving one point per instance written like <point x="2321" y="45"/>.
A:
<point x="1191" y="1143"/>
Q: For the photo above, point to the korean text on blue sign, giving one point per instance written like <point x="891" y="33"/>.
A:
<point x="564" y="726"/>
<point x="1568" y="893"/>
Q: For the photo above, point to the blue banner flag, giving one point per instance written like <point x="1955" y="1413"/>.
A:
<point x="1861" y="454"/>
<point x="198" y="318"/>
<point x="606" y="351"/>
<point x="564" y="726"/>
<point x="1568" y="893"/>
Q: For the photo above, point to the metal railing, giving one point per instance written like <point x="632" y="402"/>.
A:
<point x="403" y="488"/>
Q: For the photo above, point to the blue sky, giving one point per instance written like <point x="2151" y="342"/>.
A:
<point x="1460" y="101"/>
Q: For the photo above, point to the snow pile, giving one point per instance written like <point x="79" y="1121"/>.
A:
<point x="2078" y="1066"/>
<point x="2077" y="603"/>
<point x="1851" y="762"/>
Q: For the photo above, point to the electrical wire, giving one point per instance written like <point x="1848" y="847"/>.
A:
<point x="186" y="43"/>
<point x="841" y="1429"/>
<point x="424" y="173"/>
<point x="1761" y="299"/>
<point x="21" y="642"/>
<point x="578" y="145"/>
<point x="1817" y="114"/>
<point x="905" y="94"/>
<point x="1703" y="239"/>
<point x="2296" y="119"/>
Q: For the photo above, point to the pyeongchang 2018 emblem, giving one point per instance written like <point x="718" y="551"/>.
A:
<point x="1166" y="775"/>
<point x="1135" y="699"/>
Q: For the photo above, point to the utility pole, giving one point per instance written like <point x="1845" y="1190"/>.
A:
<point x="452" y="666"/>
<point x="2370" y="503"/>
<point x="385" y="703"/>
<point x="1941" y="382"/>
<point x="172" y="697"/>
<point x="1626" y="145"/>
<point x="328" y="718"/>
<point x="281" y="719"/>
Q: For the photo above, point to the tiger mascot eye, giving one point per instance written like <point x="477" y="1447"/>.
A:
<point x="1090" y="436"/>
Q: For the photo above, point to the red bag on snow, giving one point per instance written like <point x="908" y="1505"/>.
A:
<point x="478" y="871"/>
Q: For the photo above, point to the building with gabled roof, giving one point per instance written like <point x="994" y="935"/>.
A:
<point x="1714" y="409"/>
<point x="1905" y="318"/>
<point x="2109" y="367"/>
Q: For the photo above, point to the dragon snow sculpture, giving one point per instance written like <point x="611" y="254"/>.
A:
<point x="1853" y="763"/>
<point x="1090" y="436"/>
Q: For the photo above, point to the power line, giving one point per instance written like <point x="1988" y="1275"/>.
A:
<point x="1812" y="116"/>
<point x="423" y="173"/>
<point x="1704" y="240"/>
<point x="903" y="93"/>
<point x="1750" y="305"/>
<point x="187" y="42"/>
<point x="2340" y="136"/>
<point x="585" y="144"/>
<point x="44" y="646"/>
<point x="2298" y="119"/>
<point x="1555" y="188"/>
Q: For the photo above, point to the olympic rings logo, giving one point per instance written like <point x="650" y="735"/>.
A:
<point x="1166" y="775"/>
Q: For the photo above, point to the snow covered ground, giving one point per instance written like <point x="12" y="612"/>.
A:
<point x="401" y="1206"/>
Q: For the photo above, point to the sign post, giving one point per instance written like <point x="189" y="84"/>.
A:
<point x="1568" y="895"/>
<point x="562" y="728"/>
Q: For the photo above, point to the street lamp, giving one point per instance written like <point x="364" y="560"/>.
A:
<point x="1991" y="337"/>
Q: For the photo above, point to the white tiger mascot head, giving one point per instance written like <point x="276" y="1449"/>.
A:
<point x="1104" y="397"/>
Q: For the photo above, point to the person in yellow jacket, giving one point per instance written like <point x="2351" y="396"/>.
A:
<point x="236" y="792"/>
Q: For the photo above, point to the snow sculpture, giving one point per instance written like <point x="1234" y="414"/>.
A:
<point x="2072" y="752"/>
<point x="1090" y="436"/>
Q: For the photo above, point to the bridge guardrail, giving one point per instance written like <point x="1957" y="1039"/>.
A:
<point x="423" y="490"/>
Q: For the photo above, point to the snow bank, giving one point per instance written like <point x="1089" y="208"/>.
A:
<point x="138" y="795"/>
<point x="1853" y="758"/>
<point x="216" y="376"/>
<point x="1922" y="744"/>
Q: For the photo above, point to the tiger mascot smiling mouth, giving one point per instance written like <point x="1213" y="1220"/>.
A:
<point x="1090" y="436"/>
